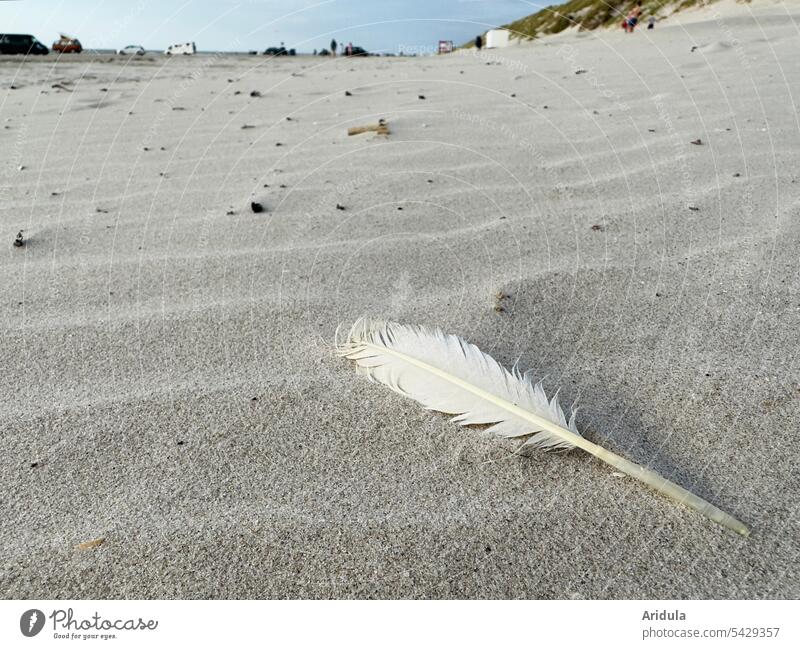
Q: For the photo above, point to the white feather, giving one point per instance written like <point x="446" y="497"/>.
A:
<point x="366" y="344"/>
<point x="446" y="373"/>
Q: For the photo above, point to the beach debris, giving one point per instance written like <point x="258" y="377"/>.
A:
<point x="20" y="240"/>
<point x="694" y="208"/>
<point x="697" y="142"/>
<point x="278" y="143"/>
<point x="34" y="465"/>
<point x="737" y="175"/>
<point x="246" y="126"/>
<point x="597" y="227"/>
<point x="88" y="545"/>
<point x="339" y="206"/>
<point x="255" y="93"/>
<point x="513" y="94"/>
<point x="445" y="373"/>
<point x="420" y="96"/>
<point x="180" y="442"/>
<point x="230" y="213"/>
<point x="59" y="86"/>
<point x="21" y="168"/>
<point x="694" y="47"/>
<point x="617" y="474"/>
<point x="237" y="92"/>
<point x="256" y="207"/>
<point x="347" y="93"/>
<point x="499" y="308"/>
<point x="581" y="71"/>
<point x="381" y="128"/>
<point x="178" y="108"/>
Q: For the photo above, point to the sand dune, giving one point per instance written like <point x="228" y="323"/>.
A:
<point x="168" y="379"/>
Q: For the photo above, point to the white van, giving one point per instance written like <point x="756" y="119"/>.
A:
<point x="181" y="48"/>
<point x="497" y="38"/>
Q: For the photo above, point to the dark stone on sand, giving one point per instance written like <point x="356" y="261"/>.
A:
<point x="256" y="207"/>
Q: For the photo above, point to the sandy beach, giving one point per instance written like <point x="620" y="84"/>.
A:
<point x="619" y="212"/>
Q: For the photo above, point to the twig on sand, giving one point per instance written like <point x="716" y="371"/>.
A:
<point x="88" y="545"/>
<point x="381" y="128"/>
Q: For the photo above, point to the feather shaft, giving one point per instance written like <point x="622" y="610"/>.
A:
<point x="648" y="477"/>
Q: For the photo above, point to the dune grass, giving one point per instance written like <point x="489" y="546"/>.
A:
<point x="590" y="14"/>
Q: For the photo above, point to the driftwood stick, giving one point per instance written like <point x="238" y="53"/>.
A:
<point x="381" y="128"/>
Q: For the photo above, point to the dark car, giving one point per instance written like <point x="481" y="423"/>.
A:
<point x="357" y="51"/>
<point x="21" y="44"/>
<point x="279" y="51"/>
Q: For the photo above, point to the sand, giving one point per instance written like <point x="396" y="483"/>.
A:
<point x="168" y="379"/>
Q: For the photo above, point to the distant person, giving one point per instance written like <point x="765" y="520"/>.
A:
<point x="633" y="18"/>
<point x="349" y="49"/>
<point x="651" y="23"/>
<point x="479" y="42"/>
<point x="315" y="51"/>
<point x="334" y="45"/>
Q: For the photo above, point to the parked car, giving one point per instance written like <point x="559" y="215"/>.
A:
<point x="21" y="44"/>
<point x="276" y="51"/>
<point x="357" y="51"/>
<point x="132" y="50"/>
<point x="181" y="48"/>
<point x="67" y="45"/>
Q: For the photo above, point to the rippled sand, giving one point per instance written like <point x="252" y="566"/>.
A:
<point x="169" y="384"/>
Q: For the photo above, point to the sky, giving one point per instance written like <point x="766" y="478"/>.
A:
<point x="243" y="25"/>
